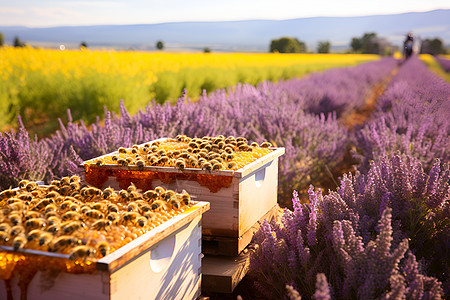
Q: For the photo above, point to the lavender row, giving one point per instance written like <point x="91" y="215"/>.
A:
<point x="383" y="235"/>
<point x="444" y="62"/>
<point x="411" y="118"/>
<point x="313" y="142"/>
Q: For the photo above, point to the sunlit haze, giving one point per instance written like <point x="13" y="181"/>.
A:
<point x="46" y="13"/>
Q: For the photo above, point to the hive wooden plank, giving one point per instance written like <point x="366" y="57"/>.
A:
<point x="221" y="274"/>
<point x="217" y="245"/>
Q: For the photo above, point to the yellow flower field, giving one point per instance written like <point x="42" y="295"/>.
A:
<point x="40" y="84"/>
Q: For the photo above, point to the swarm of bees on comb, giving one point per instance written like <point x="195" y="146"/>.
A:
<point x="81" y="221"/>
<point x="207" y="153"/>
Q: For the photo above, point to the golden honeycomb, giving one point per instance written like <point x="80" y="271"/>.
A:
<point x="207" y="153"/>
<point x="83" y="222"/>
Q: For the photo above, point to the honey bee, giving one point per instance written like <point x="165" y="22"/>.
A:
<point x="34" y="235"/>
<point x="159" y="205"/>
<point x="31" y="186"/>
<point x="16" y="230"/>
<point x="150" y="195"/>
<point x="84" y="209"/>
<point x="45" y="238"/>
<point x="130" y="216"/>
<point x="254" y="144"/>
<point x="82" y="252"/>
<point x="130" y="161"/>
<point x="75" y="186"/>
<point x="18" y="206"/>
<point x="43" y="203"/>
<point x="243" y="148"/>
<point x="71" y="216"/>
<point x="133" y="196"/>
<point x="186" y="198"/>
<point x="5" y="227"/>
<point x="180" y="164"/>
<point x="99" y="162"/>
<point x="23" y="183"/>
<point x="25" y="197"/>
<point x="231" y="165"/>
<point x="122" y="162"/>
<point x="49" y="208"/>
<point x="62" y="242"/>
<point x="140" y="164"/>
<point x="122" y="150"/>
<point x="69" y="227"/>
<point x="65" y="180"/>
<point x="181" y="137"/>
<point x="152" y="160"/>
<point x="114" y="158"/>
<point x="108" y="193"/>
<point x="103" y="248"/>
<point x="94" y="214"/>
<point x="15" y="219"/>
<point x="101" y="206"/>
<point x="74" y="178"/>
<point x="53" y="220"/>
<point x="207" y="166"/>
<point x="141" y="221"/>
<point x="101" y="224"/>
<point x="35" y="223"/>
<point x="167" y="195"/>
<point x="19" y="242"/>
<point x="154" y="149"/>
<point x="65" y="190"/>
<point x="4" y="237"/>
<point x="131" y="188"/>
<point x="54" y="229"/>
<point x="229" y="157"/>
<point x="217" y="166"/>
<point x="163" y="160"/>
<point x="175" y="203"/>
<point x="123" y="194"/>
<point x="114" y="217"/>
<point x="266" y="145"/>
<point x="111" y="207"/>
<point x="149" y="215"/>
<point x="160" y="190"/>
<point x="133" y="206"/>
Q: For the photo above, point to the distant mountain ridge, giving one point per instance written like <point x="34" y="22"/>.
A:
<point x="248" y="35"/>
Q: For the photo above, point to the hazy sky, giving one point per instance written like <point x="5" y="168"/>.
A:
<point x="44" y="13"/>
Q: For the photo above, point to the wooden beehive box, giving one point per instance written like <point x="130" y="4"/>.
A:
<point x="239" y="199"/>
<point x="164" y="263"/>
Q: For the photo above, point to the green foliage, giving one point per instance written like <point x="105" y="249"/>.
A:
<point x="42" y="98"/>
<point x="323" y="47"/>
<point x="206" y="50"/>
<point x="159" y="45"/>
<point x="369" y="43"/>
<point x="287" y="45"/>
<point x="18" y="43"/>
<point x="433" y="46"/>
<point x="2" y="39"/>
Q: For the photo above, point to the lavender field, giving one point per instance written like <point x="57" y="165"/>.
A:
<point x="364" y="182"/>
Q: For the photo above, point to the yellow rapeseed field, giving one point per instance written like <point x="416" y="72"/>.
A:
<point x="40" y="84"/>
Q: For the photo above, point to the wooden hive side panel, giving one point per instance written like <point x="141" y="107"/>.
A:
<point x="257" y="195"/>
<point x="171" y="269"/>
<point x="66" y="286"/>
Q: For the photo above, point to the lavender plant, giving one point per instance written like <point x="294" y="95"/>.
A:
<point x="358" y="236"/>
<point x="411" y="118"/>
<point x="445" y="63"/>
<point x="314" y="142"/>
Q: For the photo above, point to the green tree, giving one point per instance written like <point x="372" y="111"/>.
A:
<point x="18" y="43"/>
<point x="432" y="46"/>
<point x="2" y="39"/>
<point x="356" y="44"/>
<point x="206" y="50"/>
<point x="287" y="45"/>
<point x="160" y="45"/>
<point x="370" y="43"/>
<point x="323" y="47"/>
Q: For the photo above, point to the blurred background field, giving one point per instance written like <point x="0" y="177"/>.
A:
<point x="41" y="84"/>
